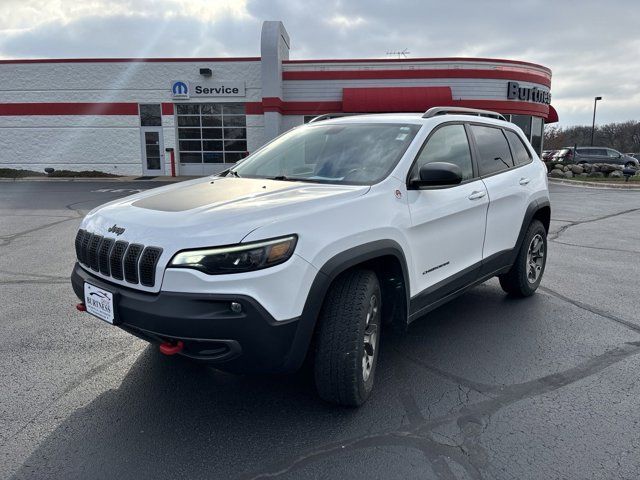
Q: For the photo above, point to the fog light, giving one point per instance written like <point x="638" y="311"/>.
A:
<point x="236" y="307"/>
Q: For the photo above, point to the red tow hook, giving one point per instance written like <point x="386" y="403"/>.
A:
<point x="168" y="348"/>
<point x="81" y="307"/>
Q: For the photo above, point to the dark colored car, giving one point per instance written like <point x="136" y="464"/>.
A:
<point x="603" y="155"/>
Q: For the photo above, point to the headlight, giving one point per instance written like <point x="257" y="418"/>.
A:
<point x="244" y="257"/>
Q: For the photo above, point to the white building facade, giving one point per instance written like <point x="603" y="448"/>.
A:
<point x="195" y="116"/>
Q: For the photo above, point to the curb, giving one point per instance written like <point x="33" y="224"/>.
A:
<point x="96" y="179"/>
<point x="599" y="185"/>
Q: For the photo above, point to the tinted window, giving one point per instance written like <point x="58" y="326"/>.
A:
<point x="524" y="122"/>
<point x="150" y="116"/>
<point x="520" y="153"/>
<point x="493" y="149"/>
<point x="447" y="144"/>
<point x="613" y="153"/>
<point x="536" y="133"/>
<point x="601" y="152"/>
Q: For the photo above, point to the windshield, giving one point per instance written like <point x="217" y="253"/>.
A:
<point x="354" y="154"/>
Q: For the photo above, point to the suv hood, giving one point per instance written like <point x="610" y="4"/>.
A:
<point x="213" y="211"/>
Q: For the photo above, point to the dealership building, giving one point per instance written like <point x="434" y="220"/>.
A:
<point x="194" y="116"/>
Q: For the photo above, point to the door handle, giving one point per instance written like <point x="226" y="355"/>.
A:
<point x="477" y="194"/>
<point x="524" y="181"/>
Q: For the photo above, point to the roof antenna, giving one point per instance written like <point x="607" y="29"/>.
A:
<point x="399" y="53"/>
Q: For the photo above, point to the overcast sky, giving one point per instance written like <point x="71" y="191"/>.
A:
<point x="593" y="48"/>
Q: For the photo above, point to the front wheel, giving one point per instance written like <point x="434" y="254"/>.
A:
<point x="630" y="165"/>
<point x="348" y="338"/>
<point x="524" y="277"/>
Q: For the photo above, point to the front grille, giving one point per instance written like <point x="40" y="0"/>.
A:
<point x="115" y="262"/>
<point x="131" y="262"/>
<point x="134" y="263"/>
<point x="148" y="262"/>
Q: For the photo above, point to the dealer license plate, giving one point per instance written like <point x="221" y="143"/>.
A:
<point x="99" y="302"/>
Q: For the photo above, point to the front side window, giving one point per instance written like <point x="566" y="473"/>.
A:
<point x="447" y="144"/>
<point x="613" y="154"/>
<point x="520" y="153"/>
<point x="348" y="153"/>
<point x="493" y="149"/>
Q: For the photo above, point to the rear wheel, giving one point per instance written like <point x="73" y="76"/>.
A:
<point x="524" y="277"/>
<point x="348" y="337"/>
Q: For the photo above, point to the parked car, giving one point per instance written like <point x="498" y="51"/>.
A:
<point x="305" y="248"/>
<point x="547" y="155"/>
<point x="604" y="155"/>
<point x="564" y="155"/>
<point x="634" y="155"/>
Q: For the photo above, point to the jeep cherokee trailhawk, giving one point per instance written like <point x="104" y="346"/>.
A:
<point x="305" y="248"/>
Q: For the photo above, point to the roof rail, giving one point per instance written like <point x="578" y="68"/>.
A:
<point x="435" y="111"/>
<point x="327" y="116"/>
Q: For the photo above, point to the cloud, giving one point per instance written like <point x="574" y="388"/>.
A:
<point x="592" y="49"/>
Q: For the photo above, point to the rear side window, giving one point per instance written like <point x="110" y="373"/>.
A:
<point x="447" y="144"/>
<point x="520" y="153"/>
<point x="493" y="149"/>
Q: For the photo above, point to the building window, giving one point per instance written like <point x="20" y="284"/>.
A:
<point x="211" y="132"/>
<point x="536" y="134"/>
<point x="150" y="115"/>
<point x="524" y="122"/>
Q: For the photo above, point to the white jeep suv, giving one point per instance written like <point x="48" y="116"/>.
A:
<point x="305" y="248"/>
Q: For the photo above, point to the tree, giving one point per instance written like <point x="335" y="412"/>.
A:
<point x="624" y="137"/>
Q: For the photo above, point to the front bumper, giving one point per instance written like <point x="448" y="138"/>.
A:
<point x="248" y="341"/>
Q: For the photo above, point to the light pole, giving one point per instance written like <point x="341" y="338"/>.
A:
<point x="593" y="125"/>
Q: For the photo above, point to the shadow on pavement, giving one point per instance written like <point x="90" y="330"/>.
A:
<point x="170" y="418"/>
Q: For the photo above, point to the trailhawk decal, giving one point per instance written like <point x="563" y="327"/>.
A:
<point x="436" y="267"/>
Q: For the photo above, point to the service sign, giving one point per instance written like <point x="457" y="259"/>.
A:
<point x="183" y="89"/>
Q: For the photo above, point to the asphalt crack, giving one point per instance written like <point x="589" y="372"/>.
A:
<point x="472" y="421"/>
<point x="564" y="228"/>
<point x="592" y="309"/>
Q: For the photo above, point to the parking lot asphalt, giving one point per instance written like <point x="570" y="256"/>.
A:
<point x="484" y="387"/>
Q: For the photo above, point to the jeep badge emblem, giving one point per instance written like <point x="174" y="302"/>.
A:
<point x="116" y="229"/>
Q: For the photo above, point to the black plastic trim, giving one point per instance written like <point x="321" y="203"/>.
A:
<point x="327" y="273"/>
<point x="473" y="275"/>
<point x="254" y="340"/>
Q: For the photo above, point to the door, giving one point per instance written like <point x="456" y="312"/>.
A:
<point x="152" y="151"/>
<point x="447" y="224"/>
<point x="508" y="186"/>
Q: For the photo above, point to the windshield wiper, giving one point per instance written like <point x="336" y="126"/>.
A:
<point x="283" y="178"/>
<point x="233" y="173"/>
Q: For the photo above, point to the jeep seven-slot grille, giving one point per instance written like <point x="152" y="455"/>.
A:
<point x="134" y="263"/>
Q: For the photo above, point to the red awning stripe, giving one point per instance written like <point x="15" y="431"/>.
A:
<point x="422" y="73"/>
<point x="129" y="60"/>
<point x="389" y="99"/>
<point x="9" y="109"/>
<point x="354" y="103"/>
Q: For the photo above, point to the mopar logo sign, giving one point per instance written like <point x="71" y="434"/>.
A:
<point x="180" y="89"/>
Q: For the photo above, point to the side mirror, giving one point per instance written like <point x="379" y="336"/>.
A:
<point x="438" y="174"/>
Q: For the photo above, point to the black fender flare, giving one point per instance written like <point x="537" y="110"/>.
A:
<point x="325" y="276"/>
<point x="534" y="207"/>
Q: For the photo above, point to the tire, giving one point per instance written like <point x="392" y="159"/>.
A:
<point x="519" y="281"/>
<point x="347" y="343"/>
<point x="630" y="165"/>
